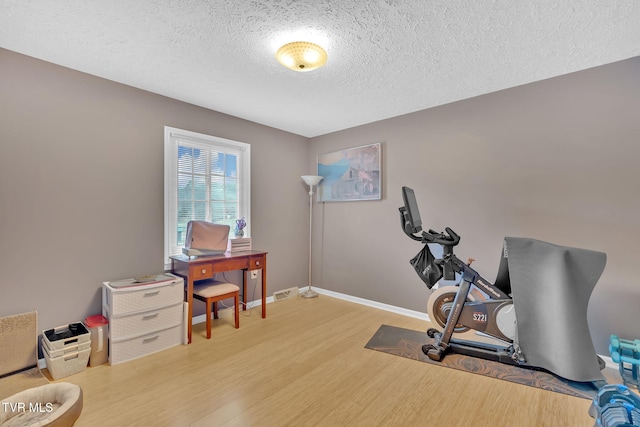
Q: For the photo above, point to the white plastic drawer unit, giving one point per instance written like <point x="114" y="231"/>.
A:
<point x="136" y="324"/>
<point x="134" y="348"/>
<point x="143" y="317"/>
<point x="131" y="299"/>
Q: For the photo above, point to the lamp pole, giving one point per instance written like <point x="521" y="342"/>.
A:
<point x="311" y="180"/>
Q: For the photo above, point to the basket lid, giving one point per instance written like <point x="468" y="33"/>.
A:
<point x="97" y="320"/>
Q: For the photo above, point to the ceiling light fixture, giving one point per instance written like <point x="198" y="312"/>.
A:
<point x="301" y="56"/>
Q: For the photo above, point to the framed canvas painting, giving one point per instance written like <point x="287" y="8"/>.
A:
<point x="350" y="174"/>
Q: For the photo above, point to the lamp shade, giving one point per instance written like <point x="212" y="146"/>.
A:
<point x="312" y="179"/>
<point x="301" y="56"/>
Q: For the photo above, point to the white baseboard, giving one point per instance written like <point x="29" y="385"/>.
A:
<point x="374" y="304"/>
<point x="610" y="363"/>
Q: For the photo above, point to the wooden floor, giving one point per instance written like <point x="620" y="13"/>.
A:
<point x="306" y="365"/>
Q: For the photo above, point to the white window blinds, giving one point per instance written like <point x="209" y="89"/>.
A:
<point x="206" y="178"/>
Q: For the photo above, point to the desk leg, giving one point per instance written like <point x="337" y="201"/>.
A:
<point x="244" y="289"/>
<point x="190" y="307"/>
<point x="264" y="289"/>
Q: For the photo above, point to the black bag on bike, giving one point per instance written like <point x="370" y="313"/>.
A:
<point x="425" y="264"/>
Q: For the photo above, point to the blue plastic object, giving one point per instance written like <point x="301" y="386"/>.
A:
<point x="627" y="354"/>
<point x="615" y="406"/>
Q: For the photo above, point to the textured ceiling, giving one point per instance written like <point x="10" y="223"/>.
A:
<point x="386" y="57"/>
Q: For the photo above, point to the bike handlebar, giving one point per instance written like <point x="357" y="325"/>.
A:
<point x="447" y="238"/>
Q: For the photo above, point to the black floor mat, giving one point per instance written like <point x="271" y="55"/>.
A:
<point x="408" y="343"/>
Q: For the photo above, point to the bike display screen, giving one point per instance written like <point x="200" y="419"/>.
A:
<point x="411" y="205"/>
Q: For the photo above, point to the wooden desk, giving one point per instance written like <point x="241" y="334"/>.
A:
<point x="205" y="267"/>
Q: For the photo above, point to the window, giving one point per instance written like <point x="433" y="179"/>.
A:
<point x="206" y="178"/>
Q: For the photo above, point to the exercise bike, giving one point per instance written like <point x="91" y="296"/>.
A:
<point x="513" y="318"/>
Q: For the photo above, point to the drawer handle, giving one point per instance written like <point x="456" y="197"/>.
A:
<point x="257" y="262"/>
<point x="150" y="339"/>
<point x="204" y="271"/>
<point x="150" y="316"/>
<point x="151" y="294"/>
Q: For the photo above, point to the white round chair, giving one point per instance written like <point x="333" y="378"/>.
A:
<point x="52" y="405"/>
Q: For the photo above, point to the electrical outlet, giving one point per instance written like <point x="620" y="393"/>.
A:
<point x="254" y="274"/>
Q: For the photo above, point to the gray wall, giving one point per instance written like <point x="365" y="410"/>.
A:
<point x="555" y="160"/>
<point x="81" y="188"/>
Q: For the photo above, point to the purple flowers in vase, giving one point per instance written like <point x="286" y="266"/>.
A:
<point x="240" y="225"/>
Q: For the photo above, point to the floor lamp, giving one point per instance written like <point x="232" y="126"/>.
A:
<point x="311" y="180"/>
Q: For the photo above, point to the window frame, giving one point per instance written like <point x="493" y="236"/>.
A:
<point x="172" y="138"/>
